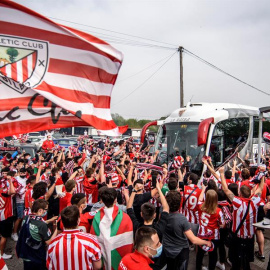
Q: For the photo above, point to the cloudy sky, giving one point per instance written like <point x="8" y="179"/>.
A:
<point x="231" y="34"/>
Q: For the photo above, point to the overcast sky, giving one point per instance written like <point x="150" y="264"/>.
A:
<point x="233" y="35"/>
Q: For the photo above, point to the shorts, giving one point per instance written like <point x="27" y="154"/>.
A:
<point x="260" y="216"/>
<point x="20" y="210"/>
<point x="6" y="227"/>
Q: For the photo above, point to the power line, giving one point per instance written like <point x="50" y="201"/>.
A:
<point x="142" y="70"/>
<point x="116" y="32"/>
<point x="145" y="80"/>
<point x="224" y="72"/>
<point x="131" y="42"/>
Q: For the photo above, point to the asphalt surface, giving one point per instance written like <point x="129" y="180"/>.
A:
<point x="17" y="264"/>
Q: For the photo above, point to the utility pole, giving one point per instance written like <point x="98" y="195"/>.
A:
<point x="180" y="49"/>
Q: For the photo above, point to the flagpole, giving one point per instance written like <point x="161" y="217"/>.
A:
<point x="180" y="49"/>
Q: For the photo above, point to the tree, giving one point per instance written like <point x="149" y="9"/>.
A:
<point x="13" y="53"/>
<point x="118" y="119"/>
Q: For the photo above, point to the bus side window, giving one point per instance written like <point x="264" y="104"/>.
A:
<point x="228" y="134"/>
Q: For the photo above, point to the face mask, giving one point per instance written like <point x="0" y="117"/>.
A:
<point x="23" y="175"/>
<point x="28" y="158"/>
<point x="45" y="213"/>
<point x="158" y="250"/>
<point x="60" y="173"/>
<point x="48" y="172"/>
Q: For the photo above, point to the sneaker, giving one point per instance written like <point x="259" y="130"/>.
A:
<point x="14" y="237"/>
<point x="259" y="256"/>
<point x="6" y="257"/>
<point x="220" y="265"/>
<point x="204" y="268"/>
<point x="191" y="247"/>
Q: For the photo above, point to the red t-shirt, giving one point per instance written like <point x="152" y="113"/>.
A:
<point x="84" y="221"/>
<point x="210" y="223"/>
<point x="48" y="144"/>
<point x="64" y="202"/>
<point x="135" y="261"/>
<point x="190" y="210"/>
<point x="6" y="209"/>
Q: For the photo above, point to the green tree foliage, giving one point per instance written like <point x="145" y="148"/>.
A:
<point x="132" y="122"/>
<point x="13" y="53"/>
<point x="118" y="119"/>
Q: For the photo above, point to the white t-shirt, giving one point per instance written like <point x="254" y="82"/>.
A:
<point x="21" y="193"/>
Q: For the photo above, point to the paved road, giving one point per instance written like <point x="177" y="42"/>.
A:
<point x="16" y="264"/>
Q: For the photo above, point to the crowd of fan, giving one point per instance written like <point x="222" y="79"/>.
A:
<point x="105" y="206"/>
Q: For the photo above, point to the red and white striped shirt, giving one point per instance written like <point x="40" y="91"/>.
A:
<point x="45" y="178"/>
<point x="239" y="209"/>
<point x="190" y="210"/>
<point x="73" y="249"/>
<point x="6" y="207"/>
<point x="79" y="184"/>
<point x="210" y="224"/>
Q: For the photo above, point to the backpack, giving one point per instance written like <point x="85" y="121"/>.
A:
<point x="29" y="248"/>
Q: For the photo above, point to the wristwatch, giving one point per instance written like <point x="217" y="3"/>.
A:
<point x="134" y="190"/>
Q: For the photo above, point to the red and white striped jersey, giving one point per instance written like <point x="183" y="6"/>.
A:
<point x="239" y="209"/>
<point x="190" y="210"/>
<point x="73" y="249"/>
<point x="27" y="200"/>
<point x="45" y="178"/>
<point x="210" y="224"/>
<point x="6" y="207"/>
<point x="79" y="184"/>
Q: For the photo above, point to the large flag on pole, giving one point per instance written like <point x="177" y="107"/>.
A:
<point x="114" y="231"/>
<point x="53" y="76"/>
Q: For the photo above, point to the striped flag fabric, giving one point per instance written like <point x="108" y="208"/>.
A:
<point x="3" y="265"/>
<point x="114" y="231"/>
<point x="53" y="76"/>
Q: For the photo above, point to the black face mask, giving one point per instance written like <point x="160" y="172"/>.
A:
<point x="23" y="175"/>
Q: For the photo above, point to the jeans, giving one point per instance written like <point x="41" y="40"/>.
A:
<point x="180" y="262"/>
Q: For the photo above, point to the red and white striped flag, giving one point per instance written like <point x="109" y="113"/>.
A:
<point x="53" y="76"/>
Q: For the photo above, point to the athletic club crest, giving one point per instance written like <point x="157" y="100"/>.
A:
<point x="23" y="62"/>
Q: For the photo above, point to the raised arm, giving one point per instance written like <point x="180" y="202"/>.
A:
<point x="228" y="193"/>
<point x="130" y="173"/>
<point x="163" y="200"/>
<point x="210" y="168"/>
<point x="50" y="192"/>
<point x="202" y="193"/>
<point x="259" y="190"/>
<point x="131" y="200"/>
<point x="102" y="178"/>
<point x="233" y="168"/>
<point x="73" y="175"/>
<point x="38" y="173"/>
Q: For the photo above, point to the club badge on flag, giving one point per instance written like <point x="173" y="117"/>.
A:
<point x="53" y="76"/>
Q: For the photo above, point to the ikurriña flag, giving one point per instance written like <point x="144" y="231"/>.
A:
<point x="53" y="76"/>
<point x="114" y="231"/>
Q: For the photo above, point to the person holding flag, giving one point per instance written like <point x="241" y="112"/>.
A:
<point x="114" y="230"/>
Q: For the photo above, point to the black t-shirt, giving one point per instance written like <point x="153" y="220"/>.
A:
<point x="158" y="226"/>
<point x="174" y="238"/>
<point x="138" y="201"/>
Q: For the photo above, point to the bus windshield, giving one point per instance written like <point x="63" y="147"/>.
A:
<point x="182" y="138"/>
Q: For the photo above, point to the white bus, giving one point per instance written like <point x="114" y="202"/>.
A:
<point x="218" y="130"/>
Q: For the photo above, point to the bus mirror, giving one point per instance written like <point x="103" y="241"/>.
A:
<point x="203" y="130"/>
